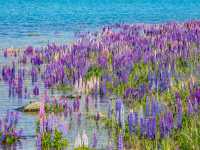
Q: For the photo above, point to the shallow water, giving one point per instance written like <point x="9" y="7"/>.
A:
<point x="27" y="121"/>
<point x="24" y="22"/>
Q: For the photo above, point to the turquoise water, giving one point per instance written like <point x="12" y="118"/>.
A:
<point x="24" y="22"/>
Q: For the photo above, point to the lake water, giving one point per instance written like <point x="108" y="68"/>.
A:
<point x="25" y="22"/>
<point x="27" y="121"/>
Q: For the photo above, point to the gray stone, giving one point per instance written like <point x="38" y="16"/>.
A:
<point x="31" y="107"/>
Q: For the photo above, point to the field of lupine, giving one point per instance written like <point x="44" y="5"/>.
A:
<point x="146" y="75"/>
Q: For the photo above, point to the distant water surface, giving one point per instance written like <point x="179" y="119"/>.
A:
<point x="25" y="22"/>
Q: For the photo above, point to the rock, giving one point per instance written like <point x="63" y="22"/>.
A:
<point x="93" y="116"/>
<point x="113" y="97"/>
<point x="102" y="116"/>
<point x="73" y="96"/>
<point x="31" y="107"/>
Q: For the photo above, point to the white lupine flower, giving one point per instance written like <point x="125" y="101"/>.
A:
<point x="78" y="141"/>
<point x="122" y="117"/>
<point x="85" y="139"/>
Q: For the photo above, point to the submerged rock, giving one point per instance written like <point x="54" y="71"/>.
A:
<point x="31" y="107"/>
<point x="73" y="96"/>
<point x="99" y="116"/>
<point x="113" y="97"/>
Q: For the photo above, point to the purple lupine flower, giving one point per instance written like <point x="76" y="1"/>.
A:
<point x="130" y="121"/>
<point x="178" y="102"/>
<point x="189" y="108"/>
<point x="124" y="77"/>
<point x="0" y="126"/>
<point x="5" y="53"/>
<point x="29" y="50"/>
<point x="169" y="121"/>
<point x="162" y="127"/>
<point x="103" y="88"/>
<point x="94" y="140"/>
<point x="78" y="103"/>
<point x="135" y="121"/>
<point x="128" y="92"/>
<point x="74" y="106"/>
<point x="121" y="118"/>
<point x="179" y="119"/>
<point x="36" y="91"/>
<point x="147" y="111"/>
<point x="109" y="110"/>
<point x="19" y="133"/>
<point x="8" y="126"/>
<point x="153" y="128"/>
<point x="154" y="107"/>
<point x="79" y="119"/>
<point x="179" y="111"/>
<point x="70" y="110"/>
<point x="50" y="123"/>
<point x="120" y="142"/>
<point x="142" y="127"/>
<point x="3" y="137"/>
<point x="102" y="60"/>
<point x="39" y="142"/>
<point x="118" y="107"/>
<point x="62" y="128"/>
<point x="55" y="103"/>
<point x="13" y="71"/>
<point x="46" y="97"/>
<point x="195" y="105"/>
<point x="149" y="128"/>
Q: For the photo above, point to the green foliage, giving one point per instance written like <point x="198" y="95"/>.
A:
<point x="127" y="135"/>
<point x="37" y="126"/>
<point x="182" y="65"/>
<point x="119" y="89"/>
<point x="57" y="142"/>
<point x="82" y="148"/>
<point x="109" y="85"/>
<point x="109" y="123"/>
<point x="53" y="108"/>
<point x="167" y="96"/>
<point x="189" y="135"/>
<point x="138" y="75"/>
<point x="9" y="139"/>
<point x="64" y="88"/>
<point x="93" y="71"/>
<point x="186" y="138"/>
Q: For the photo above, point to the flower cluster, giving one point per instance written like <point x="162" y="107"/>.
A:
<point x="51" y="131"/>
<point x="8" y="131"/>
